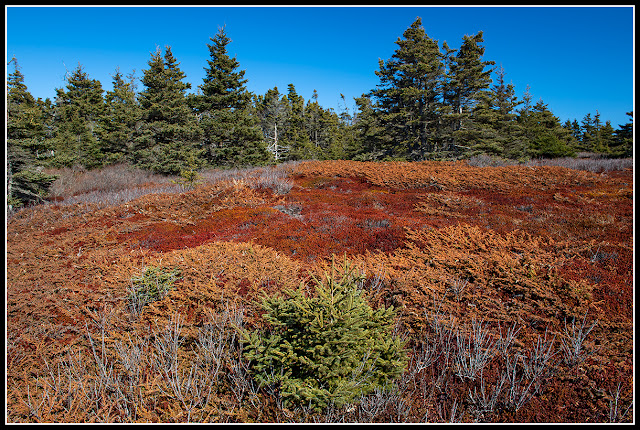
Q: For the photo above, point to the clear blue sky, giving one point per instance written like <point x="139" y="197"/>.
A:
<point x="576" y="59"/>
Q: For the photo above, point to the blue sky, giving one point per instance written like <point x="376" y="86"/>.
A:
<point x="576" y="59"/>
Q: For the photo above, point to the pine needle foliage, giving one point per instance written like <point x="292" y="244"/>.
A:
<point x="327" y="347"/>
<point x="152" y="285"/>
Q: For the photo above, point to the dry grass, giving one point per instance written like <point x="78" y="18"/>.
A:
<point x="587" y="162"/>
<point x="108" y="186"/>
<point x="274" y="178"/>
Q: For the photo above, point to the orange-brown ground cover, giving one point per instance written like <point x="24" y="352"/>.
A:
<point x="533" y="246"/>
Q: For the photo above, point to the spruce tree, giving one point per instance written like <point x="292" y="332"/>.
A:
<point x="505" y="103"/>
<point x="467" y="86"/>
<point x="483" y="134"/>
<point x="369" y="131"/>
<point x="295" y="133"/>
<point x="322" y="127"/>
<point x="26" y="183"/>
<point x="313" y="113"/>
<point x="494" y="130"/>
<point x="78" y="109"/>
<point x="117" y="126"/>
<point x="601" y="135"/>
<point x="546" y="136"/>
<point x="167" y="140"/>
<point x="587" y="126"/>
<point x="574" y="128"/>
<point x="347" y="133"/>
<point x="607" y="138"/>
<point x="231" y="135"/>
<point x="326" y="347"/>
<point x="622" y="145"/>
<point x="272" y="113"/>
<point x="408" y="98"/>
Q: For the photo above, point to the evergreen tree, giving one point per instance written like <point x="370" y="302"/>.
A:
<point x="117" y="126"/>
<point x="602" y="135"/>
<point x="509" y="132"/>
<point x="347" y="133"/>
<point x="622" y="145"/>
<point x="483" y="135"/>
<point x="369" y="132"/>
<point x="408" y="97"/>
<point x="588" y="132"/>
<point x="547" y="137"/>
<point x="48" y="111"/>
<point x="607" y="138"/>
<point x="272" y="113"/>
<point x="327" y="348"/>
<point x="468" y="82"/>
<point x="232" y="136"/>
<point x="335" y="146"/>
<point x="525" y="119"/>
<point x="313" y="122"/>
<point x="168" y="137"/>
<point x="322" y="127"/>
<point x="78" y="109"/>
<point x="295" y="133"/>
<point x="494" y="129"/>
<point x="26" y="183"/>
<point x="574" y="128"/>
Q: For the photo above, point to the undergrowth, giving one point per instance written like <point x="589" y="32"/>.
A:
<point x="511" y="288"/>
<point x="329" y="357"/>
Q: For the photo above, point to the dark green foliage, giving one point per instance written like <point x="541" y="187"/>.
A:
<point x="26" y="183"/>
<point x="409" y="94"/>
<point x="596" y="137"/>
<point x="322" y="126"/>
<point x="509" y="133"/>
<point x="168" y="136"/>
<point x="574" y="127"/>
<point x="29" y="186"/>
<point x="295" y="134"/>
<point x="117" y="125"/>
<point x="544" y="135"/>
<point x="369" y="131"/>
<point x="467" y="93"/>
<point x="78" y="109"/>
<point x="347" y="133"/>
<point x="153" y="284"/>
<point x="231" y="135"/>
<point x="328" y="346"/>
<point x="622" y="145"/>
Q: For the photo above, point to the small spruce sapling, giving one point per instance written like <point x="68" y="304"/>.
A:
<point x="153" y="284"/>
<point x="189" y="176"/>
<point x="327" y="347"/>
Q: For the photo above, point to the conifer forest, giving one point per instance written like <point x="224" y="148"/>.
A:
<point x="444" y="251"/>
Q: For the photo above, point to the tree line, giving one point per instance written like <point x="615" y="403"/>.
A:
<point x="432" y="102"/>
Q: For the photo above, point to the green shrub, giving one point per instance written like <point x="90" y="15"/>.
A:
<point x="153" y="284"/>
<point x="189" y="177"/>
<point x="29" y="186"/>
<point x="324" y="348"/>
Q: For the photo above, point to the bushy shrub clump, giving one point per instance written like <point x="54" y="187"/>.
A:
<point x="327" y="347"/>
<point x="151" y="285"/>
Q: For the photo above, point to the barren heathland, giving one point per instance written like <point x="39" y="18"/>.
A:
<point x="512" y="285"/>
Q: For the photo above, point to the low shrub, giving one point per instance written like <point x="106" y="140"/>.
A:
<point x="153" y="284"/>
<point x="328" y="348"/>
